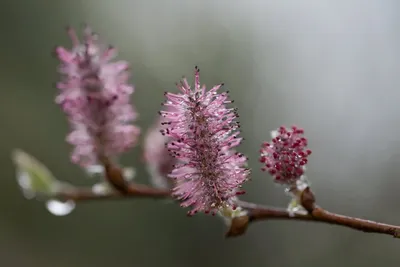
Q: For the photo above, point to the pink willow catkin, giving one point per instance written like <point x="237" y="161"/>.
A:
<point x="158" y="160"/>
<point x="95" y="96"/>
<point x="203" y="134"/>
<point x="286" y="156"/>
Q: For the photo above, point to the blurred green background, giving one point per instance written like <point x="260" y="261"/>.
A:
<point x="329" y="66"/>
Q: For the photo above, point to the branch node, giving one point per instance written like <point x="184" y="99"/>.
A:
<point x="395" y="232"/>
<point x="238" y="226"/>
<point x="307" y="200"/>
<point x="115" y="176"/>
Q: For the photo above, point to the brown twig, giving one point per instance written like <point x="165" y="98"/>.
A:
<point x="114" y="176"/>
<point x="255" y="212"/>
<point x="131" y="191"/>
<point x="259" y="213"/>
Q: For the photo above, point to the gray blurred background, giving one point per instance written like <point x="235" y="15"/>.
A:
<point x="329" y="66"/>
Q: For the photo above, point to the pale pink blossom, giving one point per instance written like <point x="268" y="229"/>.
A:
<point x="95" y="96"/>
<point x="159" y="162"/>
<point x="203" y="134"/>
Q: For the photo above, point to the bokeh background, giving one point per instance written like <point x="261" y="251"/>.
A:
<point x="330" y="66"/>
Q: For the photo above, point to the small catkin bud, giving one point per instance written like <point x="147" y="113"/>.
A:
<point x="286" y="156"/>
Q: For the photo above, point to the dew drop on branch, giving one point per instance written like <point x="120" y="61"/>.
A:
<point x="60" y="208"/>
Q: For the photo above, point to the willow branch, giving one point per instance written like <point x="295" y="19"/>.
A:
<point x="115" y="176"/>
<point x="259" y="213"/>
<point x="130" y="191"/>
<point x="255" y="212"/>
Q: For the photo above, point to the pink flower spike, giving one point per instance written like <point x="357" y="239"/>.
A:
<point x="203" y="133"/>
<point x="95" y="97"/>
<point x="159" y="162"/>
<point x="286" y="156"/>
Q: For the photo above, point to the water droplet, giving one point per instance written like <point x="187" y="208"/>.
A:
<point x="129" y="174"/>
<point x="94" y="170"/>
<point x="98" y="171"/>
<point x="102" y="188"/>
<point x="60" y="208"/>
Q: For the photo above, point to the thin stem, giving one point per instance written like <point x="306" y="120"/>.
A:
<point x="131" y="191"/>
<point x="114" y="176"/>
<point x="259" y="213"/>
<point x="239" y="225"/>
